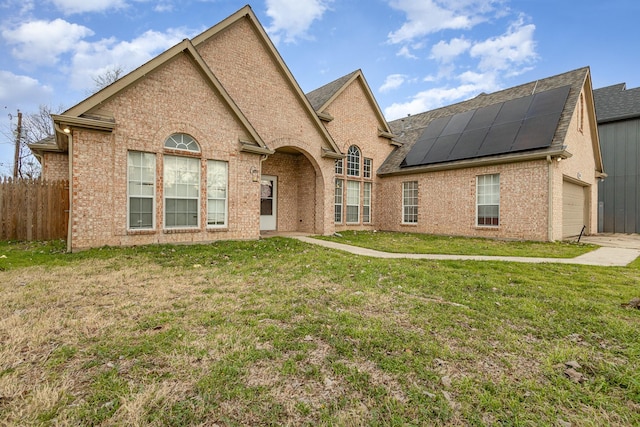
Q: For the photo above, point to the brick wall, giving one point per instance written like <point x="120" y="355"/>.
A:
<point x="55" y="166"/>
<point x="146" y="114"/>
<point x="356" y="123"/>
<point x="580" y="168"/>
<point x="447" y="202"/>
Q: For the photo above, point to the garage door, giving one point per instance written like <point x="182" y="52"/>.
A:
<point x="572" y="209"/>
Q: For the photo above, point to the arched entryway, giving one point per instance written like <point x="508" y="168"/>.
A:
<point x="293" y="181"/>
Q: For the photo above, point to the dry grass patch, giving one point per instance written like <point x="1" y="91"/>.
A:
<point x="208" y="335"/>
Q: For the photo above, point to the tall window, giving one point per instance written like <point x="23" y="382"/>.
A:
<point x="366" y="202"/>
<point x="181" y="183"/>
<point x="339" y="166"/>
<point x="217" y="173"/>
<point x="353" y="161"/>
<point x="339" y="191"/>
<point x="410" y="202"/>
<point x="141" y="177"/>
<point x="181" y="191"/>
<point x="353" y="201"/>
<point x="488" y="200"/>
<point x="366" y="168"/>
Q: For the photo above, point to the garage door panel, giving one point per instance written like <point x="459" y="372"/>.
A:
<point x="573" y="209"/>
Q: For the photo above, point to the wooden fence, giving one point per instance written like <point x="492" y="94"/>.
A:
<point x="33" y="209"/>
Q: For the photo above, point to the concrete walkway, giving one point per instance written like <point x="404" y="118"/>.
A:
<point x="604" y="256"/>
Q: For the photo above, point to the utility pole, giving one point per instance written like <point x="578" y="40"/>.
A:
<point x="16" y="160"/>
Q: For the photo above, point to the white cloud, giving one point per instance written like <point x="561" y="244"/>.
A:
<point x="69" y="7"/>
<point x="22" y="91"/>
<point x="393" y="81"/>
<point x="291" y="19"/>
<point x="405" y="52"/>
<point x="429" y="16"/>
<point x="93" y="59"/>
<point x="469" y="85"/>
<point x="446" y="52"/>
<point x="42" y="42"/>
<point x="516" y="47"/>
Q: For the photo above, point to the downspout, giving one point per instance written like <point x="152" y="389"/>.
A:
<point x="70" y="155"/>
<point x="550" y="201"/>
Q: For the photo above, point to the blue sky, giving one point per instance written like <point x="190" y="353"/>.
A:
<point x="415" y="54"/>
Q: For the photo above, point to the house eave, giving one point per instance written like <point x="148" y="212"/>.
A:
<point x="325" y="117"/>
<point x="560" y="153"/>
<point x="251" y="147"/>
<point x="332" y="154"/>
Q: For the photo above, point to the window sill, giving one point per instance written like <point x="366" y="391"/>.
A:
<point x="136" y="232"/>
<point x="180" y="230"/>
<point x="408" y="224"/>
<point x="217" y="229"/>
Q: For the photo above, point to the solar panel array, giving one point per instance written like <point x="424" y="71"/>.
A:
<point x="519" y="124"/>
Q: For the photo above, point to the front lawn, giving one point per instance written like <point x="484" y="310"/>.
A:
<point x="418" y="243"/>
<point x="279" y="332"/>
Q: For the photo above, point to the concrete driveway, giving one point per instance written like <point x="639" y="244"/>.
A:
<point x="608" y="240"/>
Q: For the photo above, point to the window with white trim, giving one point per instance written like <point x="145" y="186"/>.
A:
<point x="410" y="202"/>
<point x="366" y="168"/>
<point x="141" y="189"/>
<point x="182" y="141"/>
<point x="339" y="166"/>
<point x="488" y="200"/>
<point x="217" y="195"/>
<point x="353" y="202"/>
<point x="339" y="191"/>
<point x="181" y="191"/>
<point x="366" y="202"/>
<point x="353" y="161"/>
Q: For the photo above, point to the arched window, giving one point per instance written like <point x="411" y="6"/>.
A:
<point x="182" y="141"/>
<point x="181" y="183"/>
<point x="353" y="161"/>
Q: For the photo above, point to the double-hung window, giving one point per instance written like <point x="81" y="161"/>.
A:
<point x="217" y="198"/>
<point x="353" y="201"/>
<point x="410" y="202"/>
<point x="182" y="183"/>
<point x="366" y="203"/>
<point x="488" y="200"/>
<point x="338" y="202"/>
<point x="141" y="180"/>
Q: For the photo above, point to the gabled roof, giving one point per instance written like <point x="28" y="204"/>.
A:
<point x="247" y="12"/>
<point x="80" y="115"/>
<point x="616" y="102"/>
<point x="411" y="129"/>
<point x="322" y="97"/>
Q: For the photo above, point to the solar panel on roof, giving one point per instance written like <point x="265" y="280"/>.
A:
<point x="484" y="117"/>
<point x="469" y="144"/>
<point x="458" y="123"/>
<point x="551" y="102"/>
<point x="499" y="139"/>
<point x="513" y="110"/>
<point x="536" y="132"/>
<point x="519" y="124"/>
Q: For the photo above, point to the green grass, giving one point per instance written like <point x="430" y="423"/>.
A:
<point x="278" y="332"/>
<point x="432" y="244"/>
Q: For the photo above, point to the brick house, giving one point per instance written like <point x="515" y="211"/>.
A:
<point x="214" y="139"/>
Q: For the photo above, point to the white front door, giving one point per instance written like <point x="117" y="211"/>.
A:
<point x="268" y="202"/>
